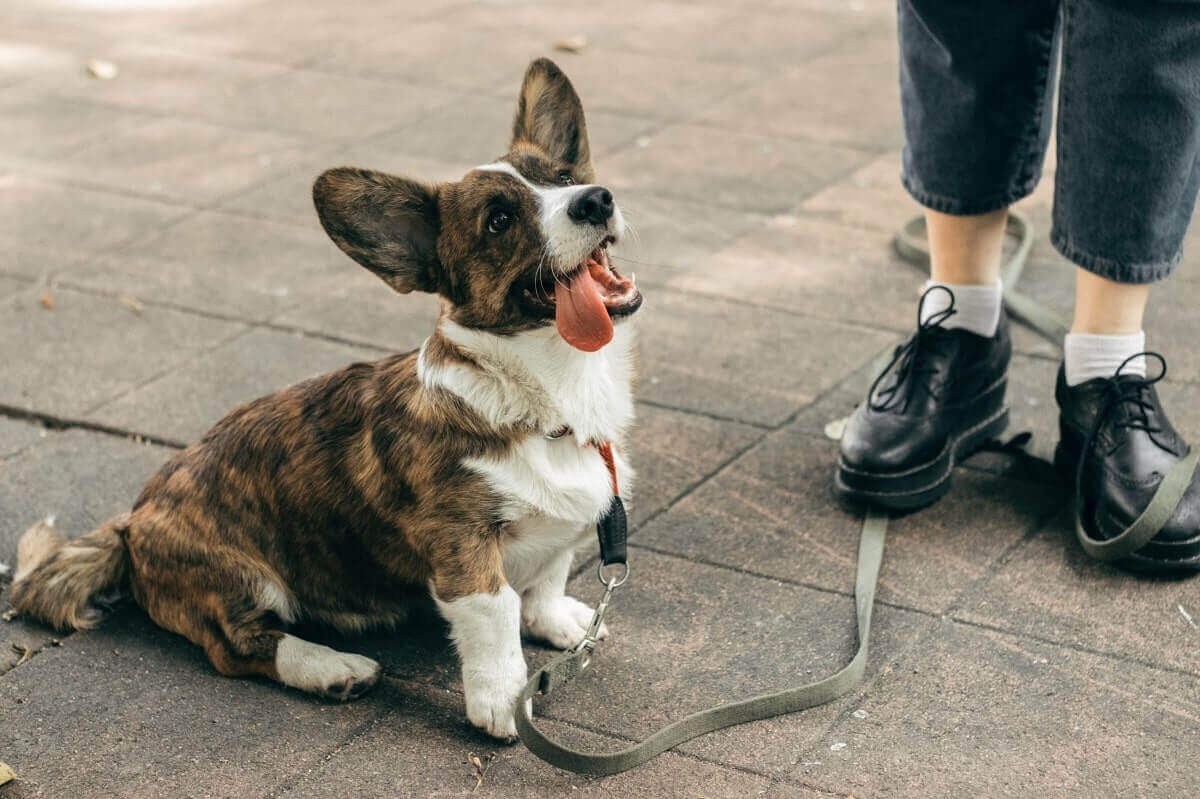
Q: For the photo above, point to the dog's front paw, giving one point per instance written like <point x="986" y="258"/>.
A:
<point x="560" y="622"/>
<point x="491" y="697"/>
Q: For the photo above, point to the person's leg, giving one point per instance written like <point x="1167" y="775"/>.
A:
<point x="976" y="85"/>
<point x="1125" y="189"/>
<point x="965" y="250"/>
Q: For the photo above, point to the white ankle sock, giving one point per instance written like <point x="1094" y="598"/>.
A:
<point x="977" y="307"/>
<point x="1090" y="355"/>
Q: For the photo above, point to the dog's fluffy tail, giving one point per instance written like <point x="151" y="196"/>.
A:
<point x="60" y="582"/>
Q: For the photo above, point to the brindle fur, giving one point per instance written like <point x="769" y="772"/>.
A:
<point x="346" y="489"/>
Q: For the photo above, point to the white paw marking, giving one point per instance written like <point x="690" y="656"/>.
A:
<point x="492" y="695"/>
<point x="561" y="622"/>
<point x="320" y="670"/>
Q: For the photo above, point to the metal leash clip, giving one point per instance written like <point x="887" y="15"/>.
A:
<point x="610" y="583"/>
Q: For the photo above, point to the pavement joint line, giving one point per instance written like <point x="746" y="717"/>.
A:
<point x="716" y="417"/>
<point x="824" y="589"/>
<point x="287" y="783"/>
<point x="404" y="682"/>
<point x="255" y="324"/>
<point x="859" y="697"/>
<point x="841" y="144"/>
<point x="1087" y="650"/>
<point x="34" y="169"/>
<point x="32" y="654"/>
<point x="174" y="367"/>
<point x="59" y="423"/>
<point x="996" y="565"/>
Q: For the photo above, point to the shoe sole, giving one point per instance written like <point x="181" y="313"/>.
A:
<point x="1158" y="558"/>
<point x="957" y="450"/>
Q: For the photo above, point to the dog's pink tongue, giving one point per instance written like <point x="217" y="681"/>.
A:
<point x="580" y="314"/>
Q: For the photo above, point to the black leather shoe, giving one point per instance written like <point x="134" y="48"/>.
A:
<point x="939" y="400"/>
<point x="1116" y="445"/>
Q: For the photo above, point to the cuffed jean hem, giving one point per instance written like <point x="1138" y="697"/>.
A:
<point x="1116" y="271"/>
<point x="958" y="206"/>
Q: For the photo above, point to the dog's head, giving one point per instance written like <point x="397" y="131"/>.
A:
<point x="515" y="244"/>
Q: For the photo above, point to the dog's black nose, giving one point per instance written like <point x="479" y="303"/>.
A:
<point x="593" y="204"/>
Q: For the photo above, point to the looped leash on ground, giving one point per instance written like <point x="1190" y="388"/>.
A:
<point x="911" y="246"/>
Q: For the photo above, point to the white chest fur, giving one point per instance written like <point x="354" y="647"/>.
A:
<point x="554" y="490"/>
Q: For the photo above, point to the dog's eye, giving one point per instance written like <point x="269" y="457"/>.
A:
<point x="565" y="178"/>
<point x="499" y="221"/>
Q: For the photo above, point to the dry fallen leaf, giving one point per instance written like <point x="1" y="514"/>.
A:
<point x="6" y="773"/>
<point x="48" y="301"/>
<point x="480" y="768"/>
<point x="9" y="614"/>
<point x="23" y="651"/>
<point x="132" y="303"/>
<point x="572" y="44"/>
<point x="100" y="69"/>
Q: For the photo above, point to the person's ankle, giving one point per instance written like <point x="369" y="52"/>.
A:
<point x="976" y="307"/>
<point x="1087" y="356"/>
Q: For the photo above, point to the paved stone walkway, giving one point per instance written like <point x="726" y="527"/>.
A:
<point x="164" y="216"/>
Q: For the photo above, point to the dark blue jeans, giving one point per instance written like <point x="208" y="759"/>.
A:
<point x="977" y="87"/>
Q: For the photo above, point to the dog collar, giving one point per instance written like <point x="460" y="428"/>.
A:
<point x="603" y="447"/>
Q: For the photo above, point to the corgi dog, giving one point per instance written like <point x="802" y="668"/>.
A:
<point x="470" y="470"/>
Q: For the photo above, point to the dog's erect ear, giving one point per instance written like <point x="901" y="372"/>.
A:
<point x="388" y="224"/>
<point x="550" y="116"/>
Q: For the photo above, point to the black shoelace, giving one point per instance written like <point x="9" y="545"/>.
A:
<point x="1131" y="395"/>
<point x="906" y="365"/>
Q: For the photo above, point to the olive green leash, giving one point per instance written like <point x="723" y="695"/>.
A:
<point x="571" y="664"/>
<point x="560" y="671"/>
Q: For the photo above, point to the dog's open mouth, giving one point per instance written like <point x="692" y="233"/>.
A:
<point x="586" y="301"/>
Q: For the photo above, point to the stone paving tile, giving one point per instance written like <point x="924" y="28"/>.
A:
<point x="17" y="434"/>
<point x="11" y="285"/>
<point x="437" y="54"/>
<point x="131" y="710"/>
<point x="157" y="79"/>
<point x="222" y="263"/>
<point x="183" y="404"/>
<point x="687" y="636"/>
<point x="360" y="307"/>
<point x="616" y="82"/>
<point x="285" y="32"/>
<point x="975" y="713"/>
<point x="773" y="512"/>
<point x="837" y="98"/>
<point x="185" y="160"/>
<point x="89" y="349"/>
<point x="1052" y="590"/>
<point x="26" y="58"/>
<point x="421" y="750"/>
<point x="738" y="170"/>
<point x="688" y="31"/>
<point x="814" y="268"/>
<point x="325" y="106"/>
<point x="37" y="213"/>
<point x="80" y="478"/>
<point x="41" y="126"/>
<point x="777" y="362"/>
<point x="673" y="450"/>
<point x="668" y="235"/>
<point x="287" y="196"/>
<point x="475" y="130"/>
<point x="37" y="265"/>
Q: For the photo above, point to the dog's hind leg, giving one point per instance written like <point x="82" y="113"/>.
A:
<point x="238" y="613"/>
<point x="244" y="639"/>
